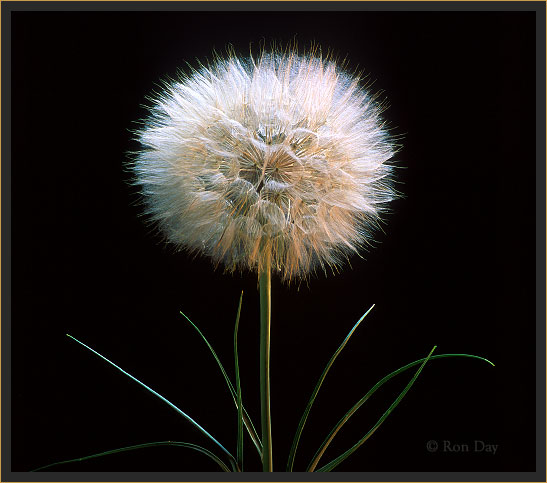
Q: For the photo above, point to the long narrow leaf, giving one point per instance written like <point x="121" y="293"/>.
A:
<point x="334" y="463"/>
<point x="238" y="388"/>
<point x="380" y="383"/>
<point x="195" y="447"/>
<point x="246" y="418"/>
<point x="292" y="453"/>
<point x="182" y="413"/>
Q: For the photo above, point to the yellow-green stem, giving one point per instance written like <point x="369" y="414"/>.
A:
<point x="265" y="288"/>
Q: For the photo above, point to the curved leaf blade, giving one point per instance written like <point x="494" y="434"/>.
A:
<point x="238" y="389"/>
<point x="169" y="403"/>
<point x="382" y="381"/>
<point x="303" y="419"/>
<point x="246" y="418"/>
<point x="195" y="447"/>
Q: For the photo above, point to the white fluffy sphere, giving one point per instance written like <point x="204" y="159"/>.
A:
<point x="284" y="156"/>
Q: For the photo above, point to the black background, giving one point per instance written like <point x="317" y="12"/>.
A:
<point x="454" y="267"/>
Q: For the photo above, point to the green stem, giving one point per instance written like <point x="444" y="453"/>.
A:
<point x="265" y="288"/>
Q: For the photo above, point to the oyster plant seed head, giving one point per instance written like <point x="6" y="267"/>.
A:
<point x="284" y="156"/>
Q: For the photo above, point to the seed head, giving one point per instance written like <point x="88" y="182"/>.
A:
<point x="284" y="156"/>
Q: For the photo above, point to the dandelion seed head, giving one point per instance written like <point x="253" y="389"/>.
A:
<point x="285" y="156"/>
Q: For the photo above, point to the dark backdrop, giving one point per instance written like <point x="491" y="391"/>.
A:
<point x="454" y="266"/>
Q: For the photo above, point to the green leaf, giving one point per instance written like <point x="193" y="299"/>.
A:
<point x="195" y="447"/>
<point x="182" y="413"/>
<point x="246" y="418"/>
<point x="238" y="387"/>
<point x="382" y="381"/>
<point x="304" y="417"/>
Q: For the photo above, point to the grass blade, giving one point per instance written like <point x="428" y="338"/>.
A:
<point x="342" y="457"/>
<point x="246" y="418"/>
<point x="238" y="388"/>
<point x="381" y="382"/>
<point x="304" y="417"/>
<point x="334" y="463"/>
<point x="169" y="403"/>
<point x="195" y="447"/>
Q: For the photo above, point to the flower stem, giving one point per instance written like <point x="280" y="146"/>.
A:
<point x="265" y="288"/>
